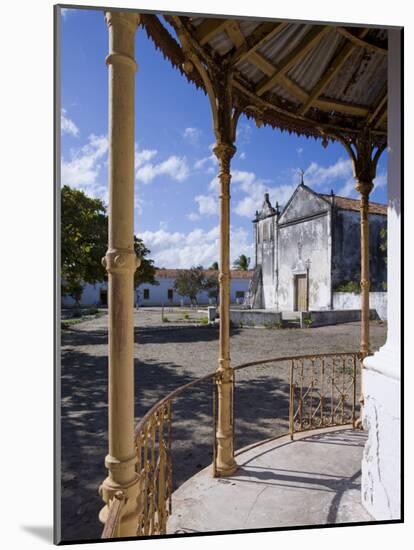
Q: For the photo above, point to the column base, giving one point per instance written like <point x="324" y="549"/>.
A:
<point x="381" y="481"/>
<point x="129" y="516"/>
<point x="225" y="470"/>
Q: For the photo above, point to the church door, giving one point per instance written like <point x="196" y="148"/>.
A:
<point x="301" y="302"/>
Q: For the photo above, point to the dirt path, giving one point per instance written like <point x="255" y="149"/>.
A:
<point x="167" y="357"/>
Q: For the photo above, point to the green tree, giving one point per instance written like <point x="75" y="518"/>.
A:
<point x="84" y="233"/>
<point x="211" y="285"/>
<point x="383" y="242"/>
<point x="214" y="266"/>
<point x="84" y="241"/>
<point x="242" y="262"/>
<point x="189" y="282"/>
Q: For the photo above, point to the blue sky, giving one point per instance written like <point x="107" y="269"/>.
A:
<point x="176" y="188"/>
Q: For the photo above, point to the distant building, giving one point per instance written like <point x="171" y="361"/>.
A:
<point x="308" y="254"/>
<point x="163" y="293"/>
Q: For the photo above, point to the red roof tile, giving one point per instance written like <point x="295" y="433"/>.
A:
<point x="353" y="204"/>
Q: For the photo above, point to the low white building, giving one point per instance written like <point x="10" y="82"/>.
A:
<point x="163" y="293"/>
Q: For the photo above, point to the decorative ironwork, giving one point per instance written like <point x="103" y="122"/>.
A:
<point x="153" y="439"/>
<point x="115" y="506"/>
<point x="154" y="467"/>
<point x="322" y="393"/>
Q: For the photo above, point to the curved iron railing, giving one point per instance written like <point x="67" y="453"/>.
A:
<point x="322" y="393"/>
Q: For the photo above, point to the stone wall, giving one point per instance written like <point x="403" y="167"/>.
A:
<point x="346" y="259"/>
<point x="351" y="300"/>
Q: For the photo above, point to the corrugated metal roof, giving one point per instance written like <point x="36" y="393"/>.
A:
<point x="354" y="90"/>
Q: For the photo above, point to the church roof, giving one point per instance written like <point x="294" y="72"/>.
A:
<point x="353" y="204"/>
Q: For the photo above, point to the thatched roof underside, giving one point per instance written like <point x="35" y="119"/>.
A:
<point x="313" y="80"/>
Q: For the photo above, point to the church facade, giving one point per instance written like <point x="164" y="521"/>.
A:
<point x="308" y="254"/>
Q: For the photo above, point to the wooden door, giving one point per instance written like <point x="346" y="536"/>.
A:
<point x="301" y="293"/>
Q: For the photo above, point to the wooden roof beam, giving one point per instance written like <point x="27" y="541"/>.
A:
<point x="359" y="42"/>
<point x="235" y="34"/>
<point x="323" y="103"/>
<point x="263" y="33"/>
<point x="382" y="117"/>
<point x="310" y="40"/>
<point x="378" y="108"/>
<point x="330" y="72"/>
<point x="208" y="29"/>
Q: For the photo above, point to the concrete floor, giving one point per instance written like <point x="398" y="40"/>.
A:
<point x="313" y="480"/>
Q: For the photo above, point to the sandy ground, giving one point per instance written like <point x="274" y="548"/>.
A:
<point x="168" y="355"/>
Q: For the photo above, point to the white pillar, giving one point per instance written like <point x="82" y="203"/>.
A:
<point x="381" y="490"/>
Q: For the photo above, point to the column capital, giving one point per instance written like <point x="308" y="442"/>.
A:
<point x="364" y="188"/>
<point x="126" y="18"/>
<point x="224" y="151"/>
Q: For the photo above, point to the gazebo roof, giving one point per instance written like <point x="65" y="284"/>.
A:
<point x="311" y="79"/>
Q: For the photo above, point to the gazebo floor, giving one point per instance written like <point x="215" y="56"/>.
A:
<point x="313" y="480"/>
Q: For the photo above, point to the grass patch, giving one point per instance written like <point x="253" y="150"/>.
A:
<point x="67" y="323"/>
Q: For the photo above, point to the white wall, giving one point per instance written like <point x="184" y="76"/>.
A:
<point x="90" y="296"/>
<point x="313" y="234"/>
<point x="381" y="481"/>
<point x="351" y="300"/>
<point x="159" y="294"/>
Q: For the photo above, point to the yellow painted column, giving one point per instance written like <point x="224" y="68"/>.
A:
<point x="364" y="188"/>
<point x="121" y="262"/>
<point x="225" y="463"/>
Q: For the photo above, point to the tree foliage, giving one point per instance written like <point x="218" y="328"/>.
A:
<point x="242" y="262"/>
<point x="211" y="285"/>
<point x="84" y="241"/>
<point x="189" y="282"/>
<point x="84" y="233"/>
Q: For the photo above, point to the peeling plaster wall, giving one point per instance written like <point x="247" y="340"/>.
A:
<point x="266" y="249"/>
<point x="351" y="300"/>
<point x="313" y="236"/>
<point x="346" y="261"/>
<point x="381" y="461"/>
<point x="381" y="476"/>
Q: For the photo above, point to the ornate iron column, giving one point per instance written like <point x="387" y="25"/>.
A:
<point x="217" y="80"/>
<point x="121" y="262"/>
<point x="225" y="463"/>
<point x="364" y="154"/>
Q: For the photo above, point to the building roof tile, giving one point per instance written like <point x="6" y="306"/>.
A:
<point x="353" y="204"/>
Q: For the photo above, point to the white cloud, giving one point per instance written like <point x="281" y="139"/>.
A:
<point x="198" y="247"/>
<point x="174" y="167"/>
<point x="380" y="180"/>
<point x="192" y="135"/>
<point x="193" y="216"/>
<point x="67" y="126"/>
<point x="299" y="150"/>
<point x="242" y="155"/>
<point x="320" y="176"/>
<point x="82" y="171"/>
<point x="348" y="189"/>
<point x="244" y="132"/>
<point x="207" y="205"/>
<point x="254" y="189"/>
<point x="144" y="156"/>
<point x="208" y="164"/>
